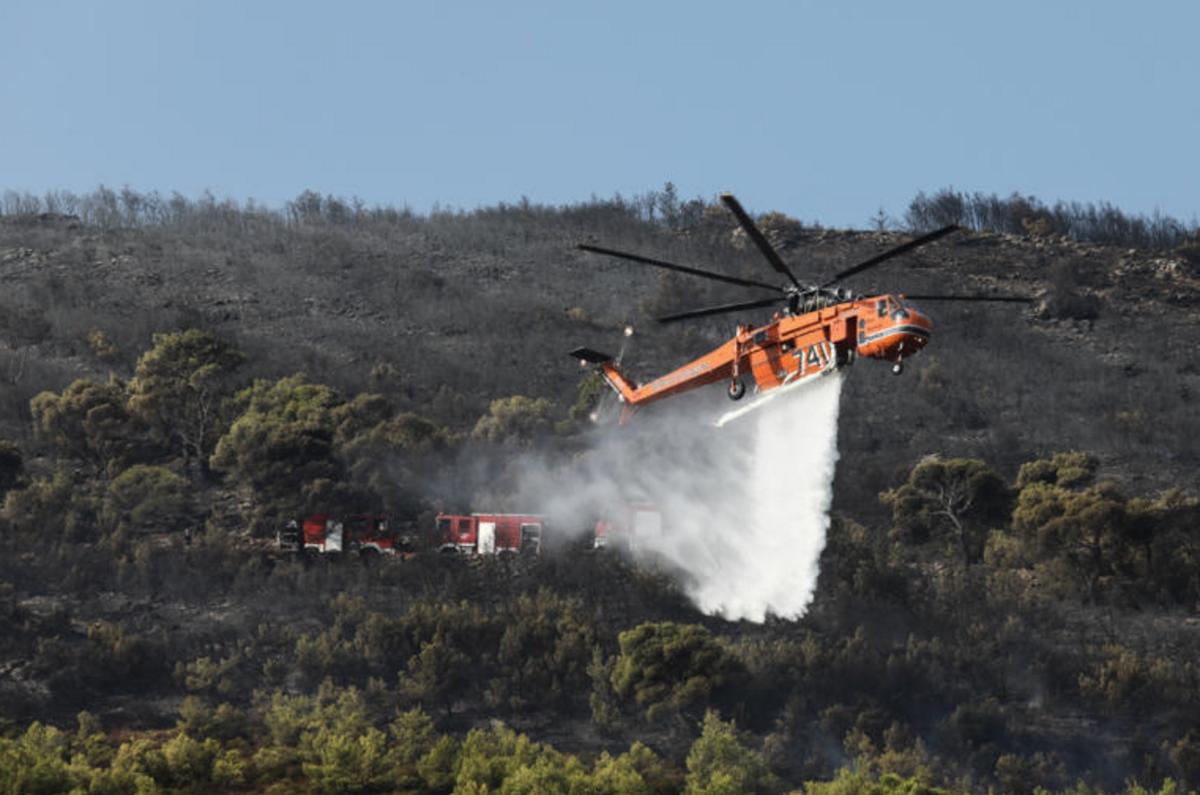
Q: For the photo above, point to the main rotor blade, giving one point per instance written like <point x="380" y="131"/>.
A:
<point x="1009" y="299"/>
<point x="754" y="234"/>
<point x="718" y="310"/>
<point x="892" y="252"/>
<point x="671" y="266"/>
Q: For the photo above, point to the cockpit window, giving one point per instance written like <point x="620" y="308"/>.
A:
<point x="893" y="306"/>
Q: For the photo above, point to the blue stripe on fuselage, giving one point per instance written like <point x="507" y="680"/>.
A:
<point x="916" y="331"/>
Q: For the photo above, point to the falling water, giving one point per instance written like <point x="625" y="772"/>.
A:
<point x="744" y="507"/>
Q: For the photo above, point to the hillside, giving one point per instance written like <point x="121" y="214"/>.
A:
<point x="445" y="313"/>
<point x="1042" y="632"/>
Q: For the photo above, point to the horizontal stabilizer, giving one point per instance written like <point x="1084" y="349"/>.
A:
<point x="589" y="355"/>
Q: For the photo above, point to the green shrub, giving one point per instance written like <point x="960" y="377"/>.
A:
<point x="672" y="668"/>
<point x="719" y="764"/>
<point x="148" y="498"/>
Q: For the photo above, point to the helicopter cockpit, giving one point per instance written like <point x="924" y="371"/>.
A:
<point x="893" y="307"/>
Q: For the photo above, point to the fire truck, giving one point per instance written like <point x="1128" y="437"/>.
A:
<point x="490" y="533"/>
<point x="322" y="533"/>
<point x="636" y="525"/>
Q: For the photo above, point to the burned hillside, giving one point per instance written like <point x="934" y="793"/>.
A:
<point x="180" y="377"/>
<point x="446" y="312"/>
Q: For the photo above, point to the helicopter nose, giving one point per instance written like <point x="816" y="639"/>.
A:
<point x="915" y="328"/>
<point x="920" y="327"/>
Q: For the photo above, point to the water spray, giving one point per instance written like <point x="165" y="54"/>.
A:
<point x="745" y="519"/>
<point x="744" y="508"/>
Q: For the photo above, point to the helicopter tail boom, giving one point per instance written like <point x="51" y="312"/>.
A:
<point x="617" y="380"/>
<point x="624" y="388"/>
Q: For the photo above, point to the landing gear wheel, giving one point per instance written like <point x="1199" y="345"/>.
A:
<point x="737" y="389"/>
<point x="897" y="368"/>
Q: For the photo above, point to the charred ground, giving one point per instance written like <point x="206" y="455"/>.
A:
<point x="444" y="313"/>
<point x="1018" y="664"/>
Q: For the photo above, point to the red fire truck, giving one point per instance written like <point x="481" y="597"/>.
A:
<point x="363" y="533"/>
<point x="634" y="526"/>
<point x="490" y="533"/>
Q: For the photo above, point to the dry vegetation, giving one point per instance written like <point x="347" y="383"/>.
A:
<point x="177" y="376"/>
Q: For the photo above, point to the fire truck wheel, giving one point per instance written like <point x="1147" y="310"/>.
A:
<point x="737" y="389"/>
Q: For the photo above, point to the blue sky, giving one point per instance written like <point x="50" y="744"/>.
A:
<point x="826" y="111"/>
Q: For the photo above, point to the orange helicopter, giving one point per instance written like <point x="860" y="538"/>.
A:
<point x="818" y="330"/>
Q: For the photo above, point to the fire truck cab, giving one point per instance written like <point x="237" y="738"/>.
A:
<point x="490" y="533"/>
<point x="363" y="533"/>
<point x="634" y="526"/>
<point x="322" y="533"/>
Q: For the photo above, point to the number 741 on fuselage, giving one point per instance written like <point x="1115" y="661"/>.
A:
<point x="817" y="330"/>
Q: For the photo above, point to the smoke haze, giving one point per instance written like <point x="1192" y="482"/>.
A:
<point x="744" y="507"/>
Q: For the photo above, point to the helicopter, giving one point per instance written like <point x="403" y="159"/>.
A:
<point x="817" y="329"/>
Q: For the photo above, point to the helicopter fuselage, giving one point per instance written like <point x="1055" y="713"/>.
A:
<point x="792" y="348"/>
<point x="820" y="328"/>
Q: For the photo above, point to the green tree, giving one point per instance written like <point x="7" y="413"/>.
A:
<point x="64" y="501"/>
<point x="638" y="770"/>
<point x="146" y="497"/>
<point x="606" y="710"/>
<point x="437" y="674"/>
<point x="209" y="676"/>
<point x="543" y="654"/>
<point x="414" y="737"/>
<point x="349" y="762"/>
<point x="394" y="457"/>
<point x="189" y="761"/>
<point x="142" y="761"/>
<point x="501" y="760"/>
<point x="1127" y="681"/>
<point x="668" y="667"/>
<point x="1083" y="529"/>
<point x="230" y="769"/>
<point x="719" y="764"/>
<point x="179" y="389"/>
<point x="517" y="420"/>
<point x="198" y="719"/>
<point x="36" y="762"/>
<point x="439" y="767"/>
<point x="282" y="439"/>
<point x="359" y="416"/>
<point x="592" y="387"/>
<point x="860" y="782"/>
<point x="91" y="742"/>
<point x="1069" y="470"/>
<point x="958" y="495"/>
<point x="87" y="421"/>
<point x="1166" y="530"/>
